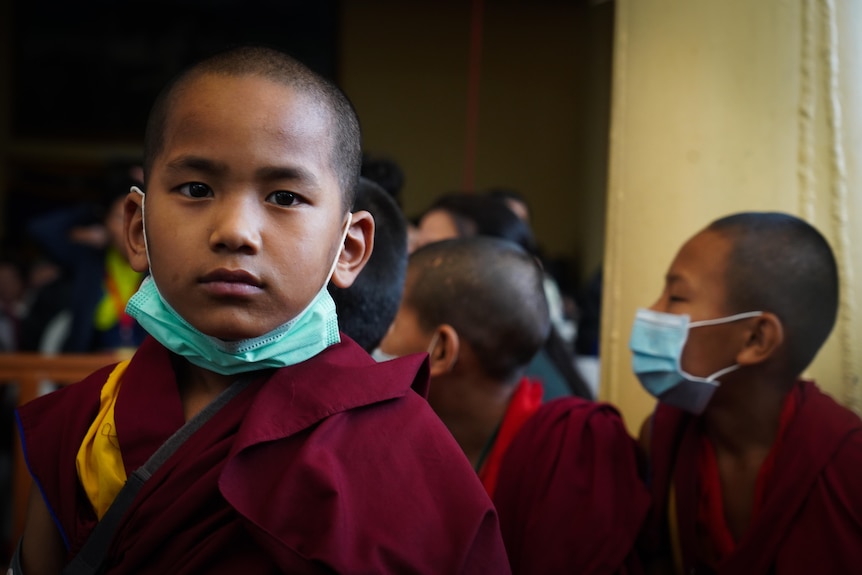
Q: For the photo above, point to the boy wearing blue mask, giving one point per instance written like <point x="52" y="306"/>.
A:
<point x="246" y="436"/>
<point x="752" y="469"/>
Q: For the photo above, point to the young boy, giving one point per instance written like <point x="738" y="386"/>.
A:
<point x="563" y="475"/>
<point x="325" y="462"/>
<point x="753" y="469"/>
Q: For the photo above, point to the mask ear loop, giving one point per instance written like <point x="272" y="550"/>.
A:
<point x="706" y="322"/>
<point x="728" y="319"/>
<point x="340" y="250"/>
<point x="141" y="193"/>
<point x="434" y="339"/>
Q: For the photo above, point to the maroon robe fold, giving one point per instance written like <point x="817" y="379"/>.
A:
<point x="569" y="495"/>
<point x="332" y="465"/>
<point x="811" y="515"/>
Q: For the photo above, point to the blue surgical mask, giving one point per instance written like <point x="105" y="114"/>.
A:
<point x="310" y="332"/>
<point x="657" y="342"/>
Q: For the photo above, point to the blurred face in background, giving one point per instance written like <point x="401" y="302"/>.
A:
<point x="435" y="226"/>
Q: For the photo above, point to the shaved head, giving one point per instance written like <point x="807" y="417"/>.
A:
<point x="490" y="290"/>
<point x="781" y="264"/>
<point x="346" y="156"/>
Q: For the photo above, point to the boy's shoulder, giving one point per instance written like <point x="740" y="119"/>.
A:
<point x="342" y="436"/>
<point x="341" y="378"/>
<point x="817" y="415"/>
<point x="573" y="463"/>
<point x="825" y="427"/>
<point x="68" y="405"/>
<point x="569" y="425"/>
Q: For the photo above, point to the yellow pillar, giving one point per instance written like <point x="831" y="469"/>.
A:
<point x="721" y="107"/>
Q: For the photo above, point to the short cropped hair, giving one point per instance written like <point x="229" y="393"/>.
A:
<point x="346" y="157"/>
<point x="490" y="291"/>
<point x="368" y="307"/>
<point x="781" y="264"/>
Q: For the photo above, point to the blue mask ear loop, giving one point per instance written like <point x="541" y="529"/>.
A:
<point x="714" y="377"/>
<point x="728" y="319"/>
<point x="141" y="193"/>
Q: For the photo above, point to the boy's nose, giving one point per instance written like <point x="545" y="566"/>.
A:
<point x="236" y="226"/>
<point x="659" y="304"/>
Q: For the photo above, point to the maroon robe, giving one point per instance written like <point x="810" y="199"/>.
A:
<point x="332" y="465"/>
<point x="810" y="520"/>
<point x="569" y="495"/>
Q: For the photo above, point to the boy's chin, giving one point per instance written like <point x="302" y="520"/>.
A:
<point x="230" y="331"/>
<point x="232" y="336"/>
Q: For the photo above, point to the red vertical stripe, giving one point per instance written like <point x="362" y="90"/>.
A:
<point x="473" y="81"/>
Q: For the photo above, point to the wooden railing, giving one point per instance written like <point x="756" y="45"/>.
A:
<point x="28" y="371"/>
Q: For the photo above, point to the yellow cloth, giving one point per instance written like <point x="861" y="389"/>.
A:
<point x="113" y="303"/>
<point x="99" y="462"/>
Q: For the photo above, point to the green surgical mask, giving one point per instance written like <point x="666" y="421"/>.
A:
<point x="303" y="337"/>
<point x="310" y="332"/>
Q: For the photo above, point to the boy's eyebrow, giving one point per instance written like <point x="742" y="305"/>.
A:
<point x="196" y="163"/>
<point x="268" y="173"/>
<point x="287" y="173"/>
<point x="672" y="279"/>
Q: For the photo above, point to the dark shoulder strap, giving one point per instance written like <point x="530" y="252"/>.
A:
<point x="89" y="559"/>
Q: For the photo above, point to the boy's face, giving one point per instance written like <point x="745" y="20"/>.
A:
<point x="435" y="226"/>
<point x="243" y="211"/>
<point x="695" y="285"/>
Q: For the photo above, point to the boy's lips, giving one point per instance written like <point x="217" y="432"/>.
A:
<point x="225" y="282"/>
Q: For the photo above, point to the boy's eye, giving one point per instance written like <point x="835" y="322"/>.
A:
<point x="675" y="298"/>
<point x="195" y="190"/>
<point x="283" y="198"/>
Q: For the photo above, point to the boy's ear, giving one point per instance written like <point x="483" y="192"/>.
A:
<point x="764" y="338"/>
<point x="444" y="354"/>
<point x="133" y="232"/>
<point x="358" y="244"/>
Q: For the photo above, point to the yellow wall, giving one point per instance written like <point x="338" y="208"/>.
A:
<point x="709" y="118"/>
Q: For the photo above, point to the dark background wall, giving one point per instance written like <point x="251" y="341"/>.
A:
<point x="506" y="92"/>
<point x="90" y="69"/>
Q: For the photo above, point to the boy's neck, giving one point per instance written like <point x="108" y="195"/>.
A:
<point x="744" y="418"/>
<point x="474" y="420"/>
<point x="198" y="386"/>
<point x="742" y="423"/>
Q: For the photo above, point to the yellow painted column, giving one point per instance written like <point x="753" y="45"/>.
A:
<point x="721" y="107"/>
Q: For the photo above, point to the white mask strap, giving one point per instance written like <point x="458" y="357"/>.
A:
<point x="340" y="249"/>
<point x="433" y="343"/>
<point x="141" y="193"/>
<point x="714" y="376"/>
<point x="727" y="319"/>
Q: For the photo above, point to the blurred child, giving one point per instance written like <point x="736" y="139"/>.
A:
<point x="564" y="474"/>
<point x="87" y="241"/>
